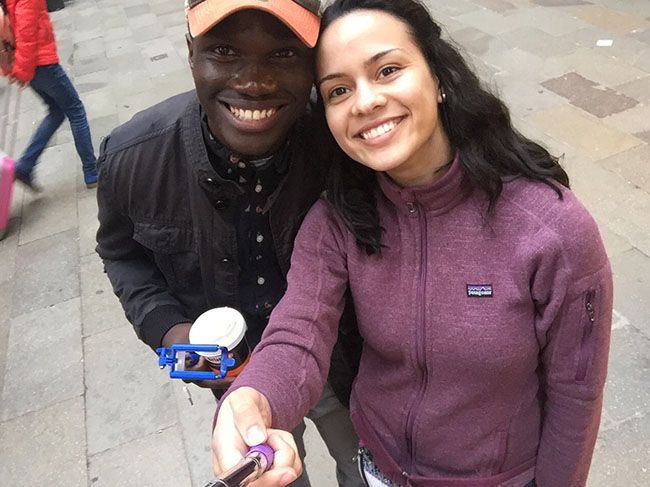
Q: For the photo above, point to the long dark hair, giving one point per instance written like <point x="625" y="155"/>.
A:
<point x="476" y="121"/>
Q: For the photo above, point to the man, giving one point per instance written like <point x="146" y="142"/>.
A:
<point x="36" y="63"/>
<point x="200" y="196"/>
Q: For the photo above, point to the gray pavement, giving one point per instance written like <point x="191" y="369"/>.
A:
<point x="83" y="403"/>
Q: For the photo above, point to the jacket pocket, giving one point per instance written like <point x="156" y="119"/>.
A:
<point x="588" y="325"/>
<point x="173" y="252"/>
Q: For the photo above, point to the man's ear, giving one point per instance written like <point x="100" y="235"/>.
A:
<point x="190" y="49"/>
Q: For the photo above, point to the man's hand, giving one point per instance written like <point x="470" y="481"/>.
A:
<point x="180" y="333"/>
<point x="243" y="421"/>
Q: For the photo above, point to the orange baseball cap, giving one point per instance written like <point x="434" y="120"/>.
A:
<point x="301" y="16"/>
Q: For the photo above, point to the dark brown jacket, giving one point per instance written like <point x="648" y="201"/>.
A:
<point x="166" y="234"/>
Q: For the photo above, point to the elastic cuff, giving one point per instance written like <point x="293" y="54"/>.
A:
<point x="159" y="321"/>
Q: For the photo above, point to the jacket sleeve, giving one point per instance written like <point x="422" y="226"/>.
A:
<point x="573" y="292"/>
<point x="144" y="294"/>
<point x="26" y="16"/>
<point x="291" y="363"/>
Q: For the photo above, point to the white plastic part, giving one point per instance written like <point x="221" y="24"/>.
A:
<point x="225" y="327"/>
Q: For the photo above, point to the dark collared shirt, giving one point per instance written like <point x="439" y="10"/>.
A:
<point x="261" y="282"/>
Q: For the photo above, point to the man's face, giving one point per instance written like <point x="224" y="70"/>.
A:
<point x="253" y="77"/>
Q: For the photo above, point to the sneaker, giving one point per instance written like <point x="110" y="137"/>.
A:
<point x="90" y="178"/>
<point x="28" y="182"/>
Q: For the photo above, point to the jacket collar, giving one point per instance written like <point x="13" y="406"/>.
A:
<point x="438" y="197"/>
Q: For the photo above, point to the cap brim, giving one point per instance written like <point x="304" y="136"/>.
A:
<point x="301" y="21"/>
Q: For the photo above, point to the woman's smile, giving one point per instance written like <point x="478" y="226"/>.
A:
<point x="379" y="131"/>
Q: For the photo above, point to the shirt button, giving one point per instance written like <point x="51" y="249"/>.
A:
<point x="410" y="207"/>
<point x="225" y="260"/>
<point x="260" y="280"/>
<point x="259" y="238"/>
<point x="221" y="204"/>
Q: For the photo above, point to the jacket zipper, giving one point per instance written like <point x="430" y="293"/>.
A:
<point x="585" y="348"/>
<point x="420" y="341"/>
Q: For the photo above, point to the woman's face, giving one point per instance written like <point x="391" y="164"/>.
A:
<point x="381" y="100"/>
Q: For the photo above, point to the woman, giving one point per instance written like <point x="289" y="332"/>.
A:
<point x="481" y="284"/>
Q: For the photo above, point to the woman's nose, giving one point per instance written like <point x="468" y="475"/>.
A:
<point x="367" y="99"/>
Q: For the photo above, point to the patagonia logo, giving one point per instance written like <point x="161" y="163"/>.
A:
<point x="479" y="290"/>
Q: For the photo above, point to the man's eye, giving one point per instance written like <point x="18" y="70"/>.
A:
<point x="388" y="70"/>
<point x="224" y="51"/>
<point x="285" y="53"/>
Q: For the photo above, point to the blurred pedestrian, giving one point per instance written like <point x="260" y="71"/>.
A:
<point x="36" y="64"/>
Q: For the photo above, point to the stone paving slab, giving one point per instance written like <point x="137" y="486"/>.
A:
<point x="621" y="456"/>
<point x="127" y="397"/>
<point x="578" y="129"/>
<point x="48" y="274"/>
<point x="88" y="223"/>
<point x="8" y="249"/>
<point x="195" y="421"/>
<point x="631" y="282"/>
<point x="100" y="309"/>
<point x="51" y="212"/>
<point x="44" y="359"/>
<point x="631" y="165"/>
<point x="5" y="310"/>
<point x="45" y="447"/>
<point x="598" y="67"/>
<point x="130" y="464"/>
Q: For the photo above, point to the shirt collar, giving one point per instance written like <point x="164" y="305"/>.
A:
<point x="438" y="197"/>
<point x="280" y="160"/>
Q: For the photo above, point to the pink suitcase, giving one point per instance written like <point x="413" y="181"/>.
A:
<point x="8" y="126"/>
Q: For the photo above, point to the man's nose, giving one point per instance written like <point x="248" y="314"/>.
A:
<point x="254" y="79"/>
<point x="367" y="99"/>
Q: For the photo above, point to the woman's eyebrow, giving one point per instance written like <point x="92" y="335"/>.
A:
<point x="373" y="59"/>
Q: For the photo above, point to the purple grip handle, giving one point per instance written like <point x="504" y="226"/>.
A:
<point x="266" y="451"/>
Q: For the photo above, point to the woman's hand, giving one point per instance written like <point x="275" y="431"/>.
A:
<point x="243" y="421"/>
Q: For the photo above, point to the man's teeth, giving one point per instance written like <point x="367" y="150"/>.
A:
<point x="377" y="131"/>
<point x="242" y="114"/>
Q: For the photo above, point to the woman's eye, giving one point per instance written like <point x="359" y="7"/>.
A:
<point x="388" y="70"/>
<point x="340" y="91"/>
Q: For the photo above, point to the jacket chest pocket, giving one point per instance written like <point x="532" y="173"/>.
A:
<point x="174" y="253"/>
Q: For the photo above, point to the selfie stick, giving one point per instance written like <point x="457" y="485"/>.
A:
<point x="257" y="461"/>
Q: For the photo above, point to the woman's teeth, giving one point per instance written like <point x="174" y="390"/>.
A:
<point x="242" y="114"/>
<point x="377" y="131"/>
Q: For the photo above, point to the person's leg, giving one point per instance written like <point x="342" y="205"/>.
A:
<point x="298" y="433"/>
<point x="333" y="422"/>
<point x="67" y="98"/>
<point x="43" y="78"/>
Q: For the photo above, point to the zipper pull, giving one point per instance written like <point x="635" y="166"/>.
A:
<point x="591" y="312"/>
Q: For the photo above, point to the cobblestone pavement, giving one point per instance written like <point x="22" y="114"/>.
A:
<point x="83" y="402"/>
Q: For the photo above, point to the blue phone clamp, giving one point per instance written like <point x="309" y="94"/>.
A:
<point x="179" y="354"/>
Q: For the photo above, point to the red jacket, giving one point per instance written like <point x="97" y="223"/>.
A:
<point x="35" y="44"/>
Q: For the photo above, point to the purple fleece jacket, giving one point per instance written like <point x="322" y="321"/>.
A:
<point x="486" y="341"/>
